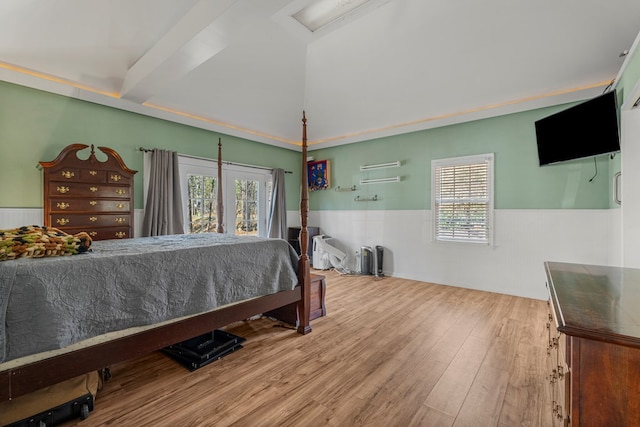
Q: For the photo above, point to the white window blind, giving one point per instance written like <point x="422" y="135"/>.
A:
<point x="463" y="198"/>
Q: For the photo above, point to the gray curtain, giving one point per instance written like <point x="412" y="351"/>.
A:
<point x="278" y="209"/>
<point x="163" y="211"/>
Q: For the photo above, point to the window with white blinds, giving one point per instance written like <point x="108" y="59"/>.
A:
<point x="462" y="191"/>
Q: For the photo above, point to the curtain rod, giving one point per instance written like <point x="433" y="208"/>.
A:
<point x="147" y="150"/>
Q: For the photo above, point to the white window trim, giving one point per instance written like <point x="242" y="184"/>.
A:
<point x="201" y="166"/>
<point x="229" y="175"/>
<point x="463" y="160"/>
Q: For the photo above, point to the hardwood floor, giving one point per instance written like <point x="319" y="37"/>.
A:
<point x="390" y="352"/>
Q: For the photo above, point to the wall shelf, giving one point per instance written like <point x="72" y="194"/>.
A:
<point x="380" y="166"/>
<point x="372" y="199"/>
<point x="379" y="180"/>
<point x="340" y="189"/>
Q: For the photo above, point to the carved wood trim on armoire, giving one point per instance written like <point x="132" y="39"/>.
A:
<point x="89" y="195"/>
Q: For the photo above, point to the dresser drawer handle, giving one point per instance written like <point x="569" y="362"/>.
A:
<point x="120" y="206"/>
<point x="121" y="191"/>
<point x="121" y="220"/>
<point x="93" y="233"/>
<point x="62" y="205"/>
<point x="116" y="178"/>
<point x="120" y="234"/>
<point x="93" y="203"/>
<point x="93" y="189"/>
<point x="62" y="190"/>
<point x="93" y="219"/>
<point x="62" y="221"/>
<point x="68" y="174"/>
<point x="560" y="372"/>
<point x="93" y="173"/>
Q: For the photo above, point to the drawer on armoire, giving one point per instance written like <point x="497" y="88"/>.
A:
<point x="89" y="205"/>
<point x="101" y="233"/>
<point x="90" y="220"/>
<point x="117" y="178"/>
<point x="65" y="174"/>
<point x="77" y="189"/>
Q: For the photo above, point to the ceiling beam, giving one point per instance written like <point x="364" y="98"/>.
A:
<point x="188" y="44"/>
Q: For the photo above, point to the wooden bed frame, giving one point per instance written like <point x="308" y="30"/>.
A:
<point x="30" y="377"/>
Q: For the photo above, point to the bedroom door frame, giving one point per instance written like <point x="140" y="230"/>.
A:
<point x="231" y="173"/>
<point x="189" y="165"/>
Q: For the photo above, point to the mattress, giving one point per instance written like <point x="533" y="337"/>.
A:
<point x="52" y="303"/>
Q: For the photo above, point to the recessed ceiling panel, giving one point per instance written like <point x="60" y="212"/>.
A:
<point x="386" y="67"/>
<point x="323" y="12"/>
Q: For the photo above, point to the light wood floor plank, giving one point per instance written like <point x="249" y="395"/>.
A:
<point x="451" y="390"/>
<point x="390" y="352"/>
<point x="527" y="386"/>
<point x="484" y="401"/>
<point x="426" y="416"/>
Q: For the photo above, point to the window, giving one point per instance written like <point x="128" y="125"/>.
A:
<point x="247" y="196"/>
<point x="250" y="192"/>
<point x="244" y="193"/>
<point x="462" y="191"/>
<point x="201" y="203"/>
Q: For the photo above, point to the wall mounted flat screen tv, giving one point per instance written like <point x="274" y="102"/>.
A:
<point x="584" y="130"/>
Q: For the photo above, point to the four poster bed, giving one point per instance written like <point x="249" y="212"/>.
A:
<point x="58" y="347"/>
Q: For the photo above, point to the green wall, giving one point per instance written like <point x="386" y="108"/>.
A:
<point x="520" y="183"/>
<point x="36" y="125"/>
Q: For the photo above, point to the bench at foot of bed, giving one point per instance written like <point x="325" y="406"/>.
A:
<point x="289" y="313"/>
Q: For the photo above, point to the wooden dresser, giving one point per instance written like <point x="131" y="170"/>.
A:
<point x="594" y="344"/>
<point x="88" y="194"/>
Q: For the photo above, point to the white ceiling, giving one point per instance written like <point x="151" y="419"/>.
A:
<point x="246" y="68"/>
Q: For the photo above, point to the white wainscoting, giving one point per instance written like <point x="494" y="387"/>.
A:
<point x="524" y="239"/>
<point x="17" y="217"/>
<point x="631" y="187"/>
<point x="616" y="251"/>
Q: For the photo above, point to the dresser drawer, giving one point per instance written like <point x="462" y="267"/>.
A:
<point x="110" y="233"/>
<point x="70" y="205"/>
<point x="90" y="175"/>
<point x="66" y="174"/>
<point x="89" y="220"/>
<point x="77" y="189"/>
<point x="117" y="178"/>
<point x="101" y="233"/>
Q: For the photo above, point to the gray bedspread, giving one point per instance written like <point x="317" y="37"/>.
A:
<point x="49" y="303"/>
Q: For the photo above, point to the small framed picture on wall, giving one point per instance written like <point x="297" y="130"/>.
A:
<point x="318" y="175"/>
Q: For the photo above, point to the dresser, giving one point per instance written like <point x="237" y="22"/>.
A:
<point x="593" y="353"/>
<point x="89" y="194"/>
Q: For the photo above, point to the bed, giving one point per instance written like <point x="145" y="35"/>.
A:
<point x="96" y="330"/>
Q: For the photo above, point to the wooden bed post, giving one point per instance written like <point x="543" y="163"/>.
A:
<point x="304" y="273"/>
<point x="220" y="229"/>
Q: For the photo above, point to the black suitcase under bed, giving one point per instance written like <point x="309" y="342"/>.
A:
<point x="77" y="408"/>
<point x="199" y="351"/>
